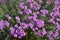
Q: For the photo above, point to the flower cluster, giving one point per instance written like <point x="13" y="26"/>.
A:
<point x="17" y="31"/>
<point x="55" y="19"/>
<point x="3" y="24"/>
<point x="33" y="22"/>
<point x="32" y="12"/>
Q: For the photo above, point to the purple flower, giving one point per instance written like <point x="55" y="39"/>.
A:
<point x="51" y="21"/>
<point x="34" y="6"/>
<point x="58" y="19"/>
<point x="38" y="33"/>
<point x="0" y="1"/>
<point x="36" y="28"/>
<point x="28" y="11"/>
<point x="40" y="23"/>
<point x="37" y="12"/>
<point x="57" y="12"/>
<point x="8" y="16"/>
<point x="6" y="23"/>
<point x="31" y="6"/>
<point x="29" y="1"/>
<point x="17" y="18"/>
<point x="43" y="32"/>
<point x="57" y="2"/>
<point x="50" y="35"/>
<point x="22" y="6"/>
<point x="56" y="34"/>
<point x="2" y="24"/>
<point x="17" y="32"/>
<point x="16" y="25"/>
<point x="30" y="17"/>
<point x="20" y="31"/>
<point x="12" y="30"/>
<point x="20" y="12"/>
<point x="34" y="18"/>
<point x="23" y="25"/>
<point x="44" y="12"/>
<point x="52" y="14"/>
<point x="34" y="14"/>
<point x="50" y="38"/>
<point x="58" y="27"/>
<point x="15" y="35"/>
<point x="31" y="25"/>
<point x="57" y="24"/>
<point x="48" y="2"/>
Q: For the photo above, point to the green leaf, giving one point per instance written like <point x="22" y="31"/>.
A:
<point x="2" y="37"/>
<point x="44" y="0"/>
<point x="50" y="7"/>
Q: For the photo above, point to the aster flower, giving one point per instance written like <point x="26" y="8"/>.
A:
<point x="51" y="21"/>
<point x="57" y="2"/>
<point x="2" y="24"/>
<point x="22" y="6"/>
<point x="36" y="28"/>
<point x="20" y="12"/>
<point x="38" y="33"/>
<point x="28" y="11"/>
<point x="8" y="16"/>
<point x="31" y="25"/>
<point x="44" y="12"/>
<point x="34" y="14"/>
<point x="58" y="19"/>
<point x="29" y="1"/>
<point x="40" y="23"/>
<point x="16" y="25"/>
<point x="58" y="27"/>
<point x="24" y="25"/>
<point x="20" y="31"/>
<point x="48" y="2"/>
<point x="6" y="23"/>
<point x="30" y="17"/>
<point x="34" y="18"/>
<point x="37" y="12"/>
<point x="52" y="14"/>
<point x="17" y="32"/>
<point x="57" y="12"/>
<point x="17" y="18"/>
<point x="12" y="30"/>
<point x="34" y="6"/>
<point x="56" y="35"/>
<point x="50" y="35"/>
<point x="43" y="32"/>
<point x="15" y="35"/>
